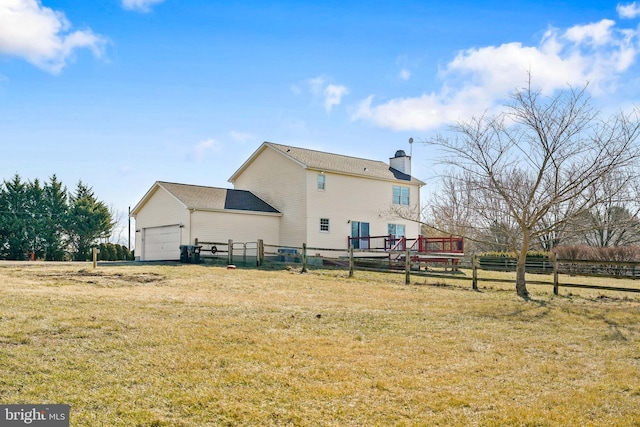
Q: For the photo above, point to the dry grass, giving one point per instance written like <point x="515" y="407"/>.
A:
<point x="205" y="346"/>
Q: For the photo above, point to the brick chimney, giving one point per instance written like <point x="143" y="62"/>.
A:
<point x="401" y="162"/>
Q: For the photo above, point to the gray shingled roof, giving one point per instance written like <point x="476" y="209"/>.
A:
<point x="342" y="164"/>
<point x="212" y="198"/>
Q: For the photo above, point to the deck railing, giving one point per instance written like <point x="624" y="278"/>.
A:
<point x="422" y="244"/>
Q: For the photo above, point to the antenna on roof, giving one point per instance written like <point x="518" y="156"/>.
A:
<point x="410" y="147"/>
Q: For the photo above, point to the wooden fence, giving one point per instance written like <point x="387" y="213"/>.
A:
<point x="553" y="265"/>
<point x="257" y="253"/>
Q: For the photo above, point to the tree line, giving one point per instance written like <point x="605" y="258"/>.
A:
<point x="46" y="222"/>
<point x="612" y="223"/>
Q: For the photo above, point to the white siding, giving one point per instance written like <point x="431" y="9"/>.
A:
<point x="292" y="189"/>
<point x="161" y="209"/>
<point x="240" y="227"/>
<point x="280" y="182"/>
<point x="348" y="198"/>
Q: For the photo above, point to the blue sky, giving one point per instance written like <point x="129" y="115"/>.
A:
<point x="121" y="93"/>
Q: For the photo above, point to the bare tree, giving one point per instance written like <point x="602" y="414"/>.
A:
<point x="554" y="236"/>
<point x="612" y="226"/>
<point x="614" y="221"/>
<point x="541" y="163"/>
<point x="120" y="227"/>
<point x="448" y="209"/>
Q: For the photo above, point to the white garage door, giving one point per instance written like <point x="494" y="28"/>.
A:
<point x="162" y="243"/>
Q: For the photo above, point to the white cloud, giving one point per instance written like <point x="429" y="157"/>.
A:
<point x="628" y="11"/>
<point x="425" y="111"/>
<point x="143" y="6"/>
<point x="598" y="33"/>
<point x="477" y="79"/>
<point x="320" y="88"/>
<point x="41" y="35"/>
<point x="201" y="149"/>
<point x="316" y="85"/>
<point x="333" y="95"/>
<point x="405" y="74"/>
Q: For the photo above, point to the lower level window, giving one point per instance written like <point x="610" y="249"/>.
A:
<point x="324" y="225"/>
<point x="396" y="233"/>
<point x="396" y="230"/>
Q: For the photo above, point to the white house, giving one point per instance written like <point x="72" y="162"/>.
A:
<point x="285" y="196"/>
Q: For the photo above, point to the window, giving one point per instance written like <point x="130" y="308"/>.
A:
<point x="396" y="233"/>
<point x="321" y="181"/>
<point x="324" y="225"/>
<point x="400" y="195"/>
<point x="396" y="230"/>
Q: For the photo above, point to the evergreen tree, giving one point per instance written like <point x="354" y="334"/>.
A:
<point x="4" y="212"/>
<point x="14" y="219"/>
<point x="55" y="207"/>
<point x="120" y="255"/>
<point x="34" y="218"/>
<point x="89" y="220"/>
<point x="111" y="252"/>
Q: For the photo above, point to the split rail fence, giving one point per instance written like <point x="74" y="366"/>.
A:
<point x="259" y="254"/>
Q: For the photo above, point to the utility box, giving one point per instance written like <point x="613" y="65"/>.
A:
<point x="190" y="254"/>
<point x="288" y="255"/>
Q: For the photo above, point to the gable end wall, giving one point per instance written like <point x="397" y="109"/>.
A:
<point x="161" y="209"/>
<point x="281" y="182"/>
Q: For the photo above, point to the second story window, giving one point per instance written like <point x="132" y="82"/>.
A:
<point x="321" y="182"/>
<point x="400" y="195"/>
<point x="324" y="225"/>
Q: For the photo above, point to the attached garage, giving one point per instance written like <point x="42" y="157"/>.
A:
<point x="172" y="214"/>
<point x="161" y="243"/>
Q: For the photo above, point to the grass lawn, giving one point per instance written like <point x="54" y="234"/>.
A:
<point x="194" y="345"/>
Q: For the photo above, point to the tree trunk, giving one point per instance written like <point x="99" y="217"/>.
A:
<point x="521" y="284"/>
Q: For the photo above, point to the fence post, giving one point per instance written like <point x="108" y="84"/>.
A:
<point x="407" y="267"/>
<point x="304" y="258"/>
<point x="260" y="254"/>
<point x="555" y="273"/>
<point x="474" y="267"/>
<point x="95" y="253"/>
<point x="244" y="253"/>
<point x="230" y="252"/>
<point x="351" y="263"/>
